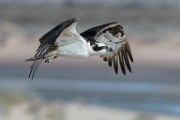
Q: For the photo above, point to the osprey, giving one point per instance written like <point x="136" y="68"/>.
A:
<point x="109" y="41"/>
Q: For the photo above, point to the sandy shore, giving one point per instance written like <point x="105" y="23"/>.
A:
<point x="25" y="106"/>
<point x="75" y="111"/>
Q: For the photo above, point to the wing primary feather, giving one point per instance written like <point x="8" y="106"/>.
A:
<point x="127" y="47"/>
<point x="115" y="63"/>
<point x="110" y="62"/>
<point x="47" y="40"/>
<point x="113" y="35"/>
<point x="105" y="58"/>
<point x="121" y="62"/>
<point x="32" y="65"/>
<point x="40" y="52"/>
<point x="34" y="68"/>
<point x="42" y="45"/>
<point x="43" y="49"/>
<point x="126" y="59"/>
<point x="50" y="41"/>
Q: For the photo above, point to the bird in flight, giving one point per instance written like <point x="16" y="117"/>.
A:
<point x="109" y="41"/>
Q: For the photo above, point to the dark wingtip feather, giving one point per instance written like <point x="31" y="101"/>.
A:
<point x="127" y="47"/>
<point x="126" y="60"/>
<point x="105" y="58"/>
<point x="121" y="62"/>
<point x="110" y="62"/>
<point x="115" y="61"/>
<point x="33" y="69"/>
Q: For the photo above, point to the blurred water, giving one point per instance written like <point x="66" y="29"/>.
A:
<point x="144" y="97"/>
<point x="154" y="91"/>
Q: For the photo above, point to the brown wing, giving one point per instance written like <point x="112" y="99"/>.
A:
<point x="112" y="35"/>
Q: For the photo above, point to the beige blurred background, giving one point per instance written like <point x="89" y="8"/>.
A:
<point x="79" y="89"/>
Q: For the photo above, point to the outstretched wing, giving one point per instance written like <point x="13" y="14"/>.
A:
<point x="113" y="36"/>
<point x="49" y="39"/>
<point x="47" y="43"/>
